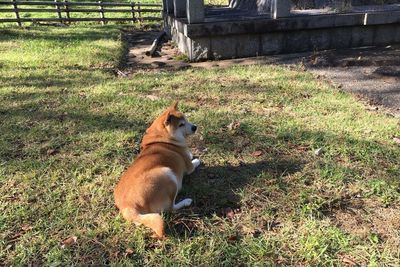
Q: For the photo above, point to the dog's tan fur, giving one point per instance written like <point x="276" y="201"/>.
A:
<point x="148" y="186"/>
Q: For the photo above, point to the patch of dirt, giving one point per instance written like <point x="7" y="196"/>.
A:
<point x="168" y="56"/>
<point x="366" y="218"/>
<point x="139" y="42"/>
<point x="372" y="73"/>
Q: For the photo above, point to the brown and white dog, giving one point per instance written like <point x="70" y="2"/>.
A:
<point x="150" y="185"/>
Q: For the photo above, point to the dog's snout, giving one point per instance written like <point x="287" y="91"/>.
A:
<point x="194" y="128"/>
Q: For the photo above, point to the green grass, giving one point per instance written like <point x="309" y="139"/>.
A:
<point x="69" y="127"/>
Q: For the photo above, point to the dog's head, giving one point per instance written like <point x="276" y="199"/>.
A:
<point x="176" y="124"/>
<point x="170" y="127"/>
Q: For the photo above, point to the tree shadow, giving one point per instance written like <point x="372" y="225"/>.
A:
<point x="35" y="33"/>
<point x="45" y="120"/>
<point x="227" y="179"/>
<point x="215" y="188"/>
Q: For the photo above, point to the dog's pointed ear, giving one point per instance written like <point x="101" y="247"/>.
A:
<point x="175" y="105"/>
<point x="168" y="119"/>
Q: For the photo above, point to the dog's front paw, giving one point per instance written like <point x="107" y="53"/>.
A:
<point x="187" y="202"/>
<point x="196" y="163"/>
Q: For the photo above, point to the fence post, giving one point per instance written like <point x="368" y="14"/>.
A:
<point x="17" y="13"/>
<point x="58" y="11"/>
<point x="102" y="13"/>
<point x="133" y="12"/>
<point x="139" y="14"/>
<point x="66" y="6"/>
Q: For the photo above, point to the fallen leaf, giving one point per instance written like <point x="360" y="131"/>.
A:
<point x="251" y="231"/>
<point x="115" y="254"/>
<point x="233" y="125"/>
<point x="26" y="227"/>
<point x="397" y="140"/>
<point x="349" y="262"/>
<point x="152" y="97"/>
<point x="318" y="151"/>
<point x="257" y="153"/>
<point x="233" y="238"/>
<point x="51" y="152"/>
<point x="15" y="237"/>
<point x="69" y="242"/>
<point x="82" y="94"/>
<point x="372" y="108"/>
<point x="129" y="251"/>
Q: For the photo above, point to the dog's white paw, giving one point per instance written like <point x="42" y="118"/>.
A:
<point x="196" y="163"/>
<point x="184" y="203"/>
<point x="187" y="202"/>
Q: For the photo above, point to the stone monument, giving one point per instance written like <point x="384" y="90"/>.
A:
<point x="249" y="28"/>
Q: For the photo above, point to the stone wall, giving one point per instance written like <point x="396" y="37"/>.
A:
<point x="309" y="4"/>
<point x="250" y="38"/>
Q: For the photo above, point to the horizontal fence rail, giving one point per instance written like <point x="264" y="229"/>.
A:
<point x="64" y="9"/>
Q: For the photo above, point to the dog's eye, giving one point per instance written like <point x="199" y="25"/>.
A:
<point x="182" y="124"/>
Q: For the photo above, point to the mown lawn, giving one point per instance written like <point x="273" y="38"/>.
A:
<point x="69" y="127"/>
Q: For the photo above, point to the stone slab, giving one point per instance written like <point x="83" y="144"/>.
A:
<point x="195" y="11"/>
<point x="264" y="25"/>
<point x="179" y="8"/>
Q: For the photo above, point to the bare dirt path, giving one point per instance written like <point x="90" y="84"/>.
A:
<point x="371" y="73"/>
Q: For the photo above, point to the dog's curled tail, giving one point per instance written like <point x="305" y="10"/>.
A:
<point x="151" y="220"/>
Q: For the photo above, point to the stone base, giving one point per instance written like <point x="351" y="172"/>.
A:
<point x="259" y="36"/>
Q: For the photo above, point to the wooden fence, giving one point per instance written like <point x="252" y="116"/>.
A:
<point x="63" y="10"/>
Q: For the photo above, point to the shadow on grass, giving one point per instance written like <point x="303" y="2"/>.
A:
<point x="80" y="80"/>
<point x="58" y="34"/>
<point x="214" y="188"/>
<point x="224" y="181"/>
<point x="31" y="116"/>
